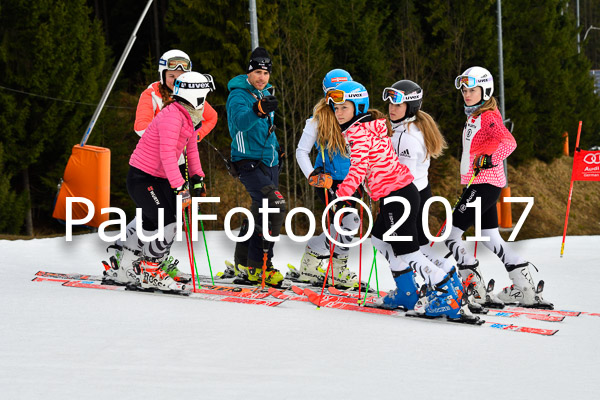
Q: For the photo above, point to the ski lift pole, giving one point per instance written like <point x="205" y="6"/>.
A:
<point x="113" y="78"/>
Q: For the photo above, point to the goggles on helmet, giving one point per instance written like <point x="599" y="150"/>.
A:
<point x="396" y="96"/>
<point x="466" y="81"/>
<point x="336" y="81"/>
<point x="174" y="63"/>
<point x="337" y="96"/>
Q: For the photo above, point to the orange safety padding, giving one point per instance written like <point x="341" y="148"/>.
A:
<point x="505" y="214"/>
<point x="87" y="175"/>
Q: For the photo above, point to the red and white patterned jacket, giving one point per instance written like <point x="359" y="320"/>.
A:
<point x="374" y="161"/>
<point x="486" y="134"/>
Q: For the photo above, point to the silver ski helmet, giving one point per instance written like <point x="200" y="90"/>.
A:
<point x="333" y="78"/>
<point x="173" y="60"/>
<point x="405" y="91"/>
<point x="193" y="87"/>
<point x="476" y="76"/>
<point x="350" y="91"/>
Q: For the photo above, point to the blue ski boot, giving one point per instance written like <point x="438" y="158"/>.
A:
<point x="406" y="293"/>
<point x="441" y="300"/>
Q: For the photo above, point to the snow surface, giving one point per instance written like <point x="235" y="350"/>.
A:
<point x="59" y="342"/>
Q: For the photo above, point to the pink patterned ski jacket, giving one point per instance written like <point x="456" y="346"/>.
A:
<point x="374" y="161"/>
<point x="486" y="134"/>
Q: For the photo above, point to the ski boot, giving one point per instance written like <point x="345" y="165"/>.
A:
<point x="151" y="276"/>
<point x="311" y="270"/>
<point x="465" y="294"/>
<point x="405" y="295"/>
<point x="169" y="265"/>
<point x="119" y="268"/>
<point x="481" y="293"/>
<point x="343" y="278"/>
<point x="442" y="301"/>
<point x="254" y="274"/>
<point x="523" y="291"/>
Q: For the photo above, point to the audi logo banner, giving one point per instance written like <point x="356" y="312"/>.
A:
<point x="586" y="166"/>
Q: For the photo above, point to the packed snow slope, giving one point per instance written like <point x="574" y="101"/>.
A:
<point x="58" y="342"/>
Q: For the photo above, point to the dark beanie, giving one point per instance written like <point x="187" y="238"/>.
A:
<point x="259" y="59"/>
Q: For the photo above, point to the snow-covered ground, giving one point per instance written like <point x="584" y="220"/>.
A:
<point x="59" y="343"/>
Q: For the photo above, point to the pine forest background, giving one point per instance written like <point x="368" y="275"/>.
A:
<point x="56" y="57"/>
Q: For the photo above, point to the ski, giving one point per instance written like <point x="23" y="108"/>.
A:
<point x="330" y="301"/>
<point x="203" y="294"/>
<point x="542" y="315"/>
<point x="207" y="289"/>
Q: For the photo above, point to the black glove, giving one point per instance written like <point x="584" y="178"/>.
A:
<point x="264" y="106"/>
<point x="483" y="161"/>
<point x="186" y="199"/>
<point x="198" y="189"/>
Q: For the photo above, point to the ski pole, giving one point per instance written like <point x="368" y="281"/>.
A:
<point x="475" y="172"/>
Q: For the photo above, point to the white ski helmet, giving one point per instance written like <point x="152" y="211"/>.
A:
<point x="476" y="76"/>
<point x="173" y="60"/>
<point x="193" y="87"/>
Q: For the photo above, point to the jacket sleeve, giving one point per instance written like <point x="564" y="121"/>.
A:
<point x="305" y="145"/>
<point x="495" y="128"/>
<point x="210" y="120"/>
<point x="360" y="145"/>
<point x="194" y="158"/>
<point x="240" y="112"/>
<point x="169" y="129"/>
<point x="144" y="113"/>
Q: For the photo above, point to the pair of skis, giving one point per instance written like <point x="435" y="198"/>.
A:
<point x="334" y="299"/>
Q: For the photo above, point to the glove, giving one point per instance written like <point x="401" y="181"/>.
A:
<point x="264" y="106"/>
<point x="186" y="198"/>
<point x="320" y="179"/>
<point x="482" y="162"/>
<point x="198" y="188"/>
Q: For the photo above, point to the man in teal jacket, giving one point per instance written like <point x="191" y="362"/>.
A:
<point x="255" y="154"/>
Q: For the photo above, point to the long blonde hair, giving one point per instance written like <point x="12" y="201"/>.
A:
<point x="376" y="114"/>
<point x="490" y="105"/>
<point x="434" y="140"/>
<point x="329" y="133"/>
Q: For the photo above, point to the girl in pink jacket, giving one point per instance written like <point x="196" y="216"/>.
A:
<point x="154" y="181"/>
<point x="486" y="143"/>
<point x="375" y="165"/>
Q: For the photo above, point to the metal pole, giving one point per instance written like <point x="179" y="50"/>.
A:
<point x="113" y="78"/>
<point x="501" y="73"/>
<point x="253" y="25"/>
<point x="578" y="36"/>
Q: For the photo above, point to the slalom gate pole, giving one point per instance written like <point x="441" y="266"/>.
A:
<point x="370" y="274"/>
<point x="360" y="254"/>
<point x="475" y="252"/>
<point x="207" y="255"/>
<point x="475" y="172"/>
<point x="562" y="246"/>
<point x="192" y="246"/>
<point x="190" y="256"/>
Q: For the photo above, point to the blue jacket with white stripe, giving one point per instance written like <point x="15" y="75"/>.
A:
<point x="250" y="135"/>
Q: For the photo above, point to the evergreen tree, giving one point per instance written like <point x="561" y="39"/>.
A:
<point x="56" y="52"/>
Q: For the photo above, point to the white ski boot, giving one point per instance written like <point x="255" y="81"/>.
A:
<point x="152" y="276"/>
<point x="310" y="268"/>
<point x="343" y="277"/>
<point x="471" y="276"/>
<point x="523" y="291"/>
<point x="119" y="268"/>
